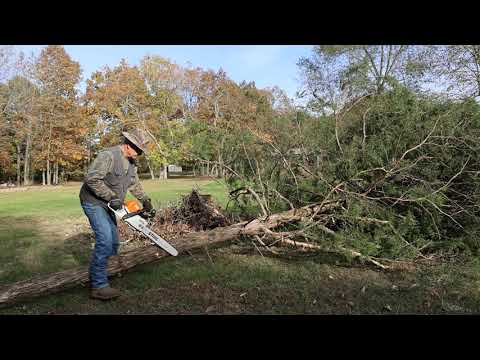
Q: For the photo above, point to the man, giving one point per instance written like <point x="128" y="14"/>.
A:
<point x="110" y="176"/>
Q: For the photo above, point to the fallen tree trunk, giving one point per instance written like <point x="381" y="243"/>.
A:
<point x="69" y="278"/>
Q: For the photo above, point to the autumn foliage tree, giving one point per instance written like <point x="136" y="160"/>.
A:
<point x="192" y="116"/>
<point x="62" y="124"/>
<point x="19" y="100"/>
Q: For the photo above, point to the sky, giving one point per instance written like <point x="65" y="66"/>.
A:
<point x="266" y="65"/>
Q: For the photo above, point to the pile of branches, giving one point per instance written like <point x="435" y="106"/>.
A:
<point x="197" y="211"/>
<point x="194" y="212"/>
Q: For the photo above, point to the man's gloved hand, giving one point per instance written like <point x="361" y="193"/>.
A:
<point x="147" y="205"/>
<point x="115" y="204"/>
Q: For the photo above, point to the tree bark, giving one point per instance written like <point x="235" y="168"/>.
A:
<point x="48" y="157"/>
<point x="43" y="177"/>
<point x="26" y="162"/>
<point x="48" y="173"/>
<point x="197" y="240"/>
<point x="221" y="169"/>
<point x="152" y="174"/>
<point x="18" y="165"/>
<point x="55" y="173"/>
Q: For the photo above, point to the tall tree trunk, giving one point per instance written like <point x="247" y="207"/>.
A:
<point x="18" y="165"/>
<point x="43" y="176"/>
<point x="49" y="179"/>
<point x="208" y="168"/>
<point x="26" y="162"/>
<point x="165" y="171"/>
<point x="48" y="172"/>
<point x="27" y="177"/>
<point x="56" y="174"/>
<point x="152" y="174"/>
<point x="220" y="165"/>
<point x="220" y="172"/>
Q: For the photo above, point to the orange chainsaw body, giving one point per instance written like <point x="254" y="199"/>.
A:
<point x="132" y="206"/>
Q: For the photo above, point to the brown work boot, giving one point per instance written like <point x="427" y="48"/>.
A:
<point x="106" y="293"/>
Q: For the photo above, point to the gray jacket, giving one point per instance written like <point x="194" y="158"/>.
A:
<point x="111" y="175"/>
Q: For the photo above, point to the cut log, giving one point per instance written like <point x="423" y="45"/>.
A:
<point x="69" y="278"/>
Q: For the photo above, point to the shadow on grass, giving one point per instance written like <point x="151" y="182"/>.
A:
<point x="17" y="238"/>
<point x="80" y="247"/>
<point x="27" y="251"/>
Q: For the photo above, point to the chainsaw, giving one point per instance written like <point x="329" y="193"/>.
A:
<point x="135" y="217"/>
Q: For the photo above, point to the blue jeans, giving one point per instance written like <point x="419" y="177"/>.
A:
<point x="104" y="226"/>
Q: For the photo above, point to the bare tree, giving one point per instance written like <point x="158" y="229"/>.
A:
<point x="458" y="68"/>
<point x="336" y="75"/>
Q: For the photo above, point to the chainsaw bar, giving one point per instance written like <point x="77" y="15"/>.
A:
<point x="140" y="224"/>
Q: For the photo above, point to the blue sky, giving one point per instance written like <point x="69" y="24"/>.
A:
<point x="266" y="65"/>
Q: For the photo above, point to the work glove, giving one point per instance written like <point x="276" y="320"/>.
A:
<point x="115" y="204"/>
<point x="147" y="205"/>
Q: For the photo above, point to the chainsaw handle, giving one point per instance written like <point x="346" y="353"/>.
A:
<point x="142" y="213"/>
<point x="108" y="205"/>
<point x="148" y="215"/>
<point x="129" y="215"/>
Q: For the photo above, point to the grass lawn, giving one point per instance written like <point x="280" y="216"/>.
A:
<point x="43" y="231"/>
<point x="41" y="228"/>
<point x="62" y="201"/>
